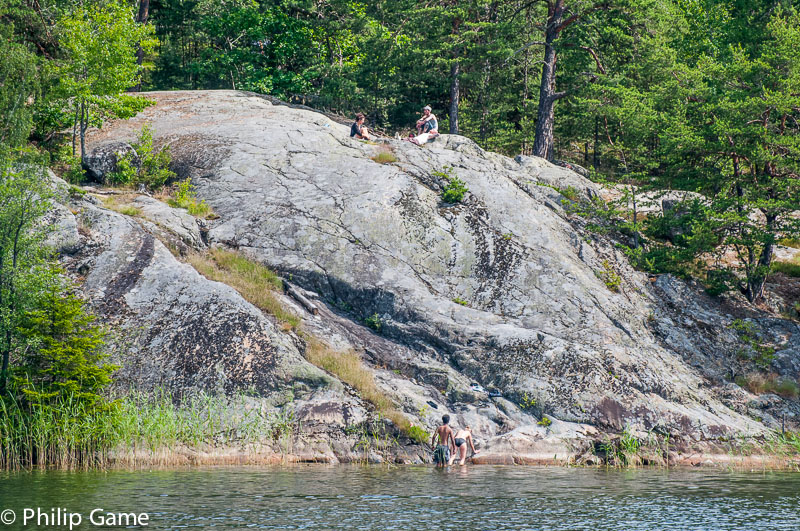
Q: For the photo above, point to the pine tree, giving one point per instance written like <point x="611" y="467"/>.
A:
<point x="63" y="358"/>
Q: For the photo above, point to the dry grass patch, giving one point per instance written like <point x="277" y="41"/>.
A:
<point x="790" y="242"/>
<point x="257" y="284"/>
<point x="759" y="384"/>
<point x="790" y="269"/>
<point x="253" y="281"/>
<point x="121" y="203"/>
<point x="348" y="367"/>
<point x="385" y="155"/>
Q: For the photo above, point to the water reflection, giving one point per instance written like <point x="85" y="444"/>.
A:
<point x="481" y="497"/>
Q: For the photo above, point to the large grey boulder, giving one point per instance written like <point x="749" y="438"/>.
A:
<point x="502" y="289"/>
<point x="102" y="160"/>
<point x="172" y="328"/>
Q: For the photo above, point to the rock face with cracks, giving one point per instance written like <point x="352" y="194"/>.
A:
<point x="500" y="290"/>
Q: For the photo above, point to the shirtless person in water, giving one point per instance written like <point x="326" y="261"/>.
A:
<point x="461" y="439"/>
<point x="442" y="452"/>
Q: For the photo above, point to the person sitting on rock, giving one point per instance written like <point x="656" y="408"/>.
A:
<point x="427" y="127"/>
<point x="428" y="123"/>
<point x="461" y="439"/>
<point x="358" y="129"/>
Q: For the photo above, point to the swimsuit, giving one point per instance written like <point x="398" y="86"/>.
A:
<point x="460" y="441"/>
<point x="441" y="454"/>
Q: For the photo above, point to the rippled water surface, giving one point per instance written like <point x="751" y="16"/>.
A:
<point x="480" y="497"/>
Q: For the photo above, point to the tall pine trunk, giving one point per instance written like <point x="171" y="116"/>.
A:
<point x="455" y="96"/>
<point x="545" y="116"/>
<point x="83" y="126"/>
<point x="758" y="277"/>
<point x="141" y="18"/>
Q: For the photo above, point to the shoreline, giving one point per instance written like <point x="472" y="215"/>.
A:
<point x="232" y="457"/>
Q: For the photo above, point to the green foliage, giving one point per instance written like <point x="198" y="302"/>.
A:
<point x="570" y="192"/>
<point x="24" y="193"/>
<point x="271" y="48"/>
<point x="455" y="189"/>
<point x="544" y="421"/>
<point x="418" y="435"/>
<point x="628" y="443"/>
<point x="719" y="281"/>
<point x="460" y="301"/>
<point x="790" y="269"/>
<point x="385" y="157"/>
<point x="374" y="321"/>
<point x="626" y="450"/>
<point x="784" y="443"/>
<point x="761" y="354"/>
<point x="126" y="172"/>
<point x="20" y="86"/>
<point x="99" y="42"/>
<point x="185" y="197"/>
<point x="759" y="384"/>
<point x="67" y="434"/>
<point x="527" y="403"/>
<point x="610" y="278"/>
<point x="63" y="357"/>
<point x="145" y="165"/>
<point x="129" y="210"/>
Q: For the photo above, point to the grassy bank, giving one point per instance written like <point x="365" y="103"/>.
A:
<point x="67" y="436"/>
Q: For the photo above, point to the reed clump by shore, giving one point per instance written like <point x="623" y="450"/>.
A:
<point x="774" y="450"/>
<point x="135" y="427"/>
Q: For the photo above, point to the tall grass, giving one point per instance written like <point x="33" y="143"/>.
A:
<point x="65" y="436"/>
<point x="759" y="384"/>
<point x="68" y="436"/>
<point x="256" y="283"/>
<point x="385" y="155"/>
<point x="790" y="269"/>
<point x="348" y="367"/>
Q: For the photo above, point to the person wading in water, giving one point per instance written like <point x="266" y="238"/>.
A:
<point x="441" y="453"/>
<point x="461" y="439"/>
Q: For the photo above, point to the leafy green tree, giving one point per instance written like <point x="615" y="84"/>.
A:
<point x="100" y="44"/>
<point x="738" y="130"/>
<point x="18" y="89"/>
<point x="23" y="201"/>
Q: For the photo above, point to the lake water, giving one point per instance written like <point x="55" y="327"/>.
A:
<point x="411" y="497"/>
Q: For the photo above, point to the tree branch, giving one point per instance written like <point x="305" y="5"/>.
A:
<point x="596" y="59"/>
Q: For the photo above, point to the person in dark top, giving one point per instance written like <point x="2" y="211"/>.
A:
<point x="358" y="129"/>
